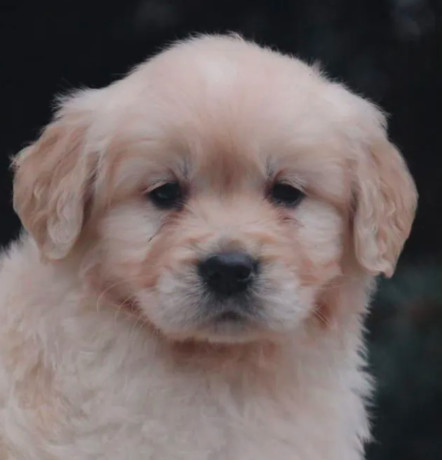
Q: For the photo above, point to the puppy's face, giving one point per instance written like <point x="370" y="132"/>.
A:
<point x="223" y="242"/>
<point x="222" y="188"/>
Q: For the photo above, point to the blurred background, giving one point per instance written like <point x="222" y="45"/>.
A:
<point x="387" y="50"/>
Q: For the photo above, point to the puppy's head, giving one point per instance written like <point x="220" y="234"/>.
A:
<point x="220" y="188"/>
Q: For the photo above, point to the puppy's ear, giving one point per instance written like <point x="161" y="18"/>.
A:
<point x="52" y="181"/>
<point x="385" y="204"/>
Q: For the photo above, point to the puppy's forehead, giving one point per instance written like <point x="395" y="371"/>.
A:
<point x="228" y="110"/>
<point x="224" y="75"/>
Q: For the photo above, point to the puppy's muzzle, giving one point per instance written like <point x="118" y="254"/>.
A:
<point x="228" y="274"/>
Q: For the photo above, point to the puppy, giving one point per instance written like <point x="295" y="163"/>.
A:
<point x="201" y="242"/>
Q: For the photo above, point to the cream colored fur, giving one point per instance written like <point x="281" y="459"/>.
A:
<point x="103" y="352"/>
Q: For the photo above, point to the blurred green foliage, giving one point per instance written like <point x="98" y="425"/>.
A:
<point x="405" y="342"/>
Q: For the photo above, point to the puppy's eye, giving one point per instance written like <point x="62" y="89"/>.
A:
<point x="285" y="195"/>
<point x="167" y="196"/>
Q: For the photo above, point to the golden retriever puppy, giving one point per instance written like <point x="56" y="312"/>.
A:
<point x="201" y="242"/>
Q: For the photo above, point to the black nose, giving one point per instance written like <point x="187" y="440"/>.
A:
<point x="228" y="273"/>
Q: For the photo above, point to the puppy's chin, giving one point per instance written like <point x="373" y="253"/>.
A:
<point x="229" y="329"/>
<point x="225" y="334"/>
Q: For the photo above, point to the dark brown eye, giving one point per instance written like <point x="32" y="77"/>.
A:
<point x="167" y="196"/>
<point x="285" y="195"/>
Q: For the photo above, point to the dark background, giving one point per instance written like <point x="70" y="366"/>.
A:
<point x="387" y="50"/>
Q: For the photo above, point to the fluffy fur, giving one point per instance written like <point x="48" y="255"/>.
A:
<point x="108" y="345"/>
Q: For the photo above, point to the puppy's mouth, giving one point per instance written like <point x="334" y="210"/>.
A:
<point x="230" y="319"/>
<point x="239" y="310"/>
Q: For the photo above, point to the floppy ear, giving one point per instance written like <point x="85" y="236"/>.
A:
<point x="51" y="184"/>
<point x="386" y="199"/>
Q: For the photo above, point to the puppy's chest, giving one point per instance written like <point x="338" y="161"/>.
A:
<point x="165" y="416"/>
<point x="130" y="412"/>
<point x="114" y="397"/>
